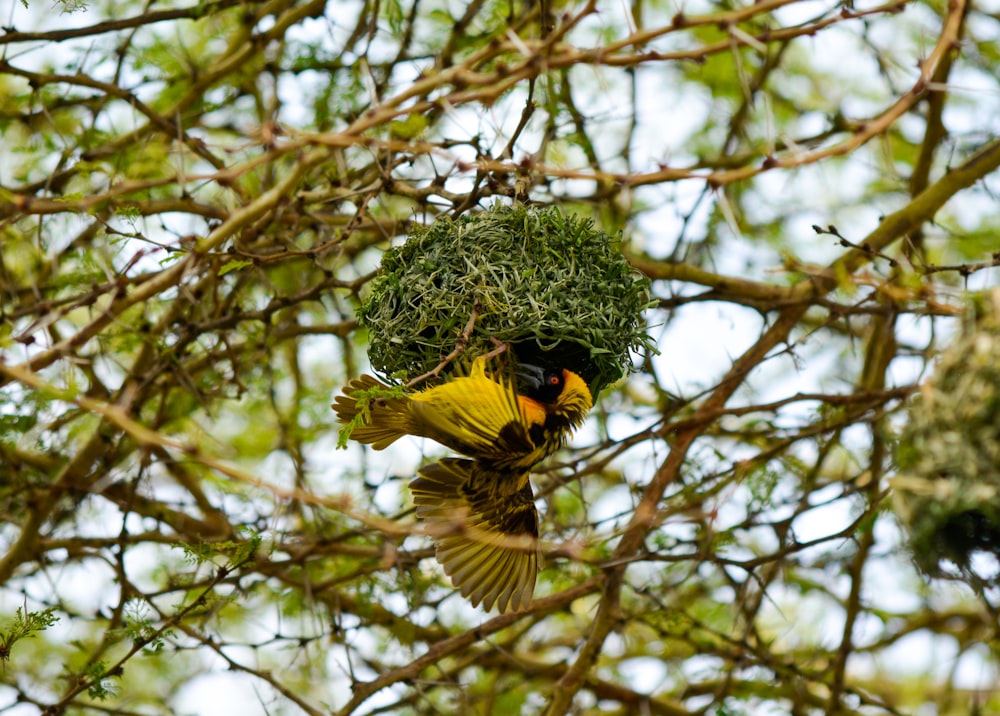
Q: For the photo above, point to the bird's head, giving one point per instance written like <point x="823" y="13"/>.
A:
<point x="561" y="391"/>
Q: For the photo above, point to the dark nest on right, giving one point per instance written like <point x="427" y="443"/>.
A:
<point x="947" y="488"/>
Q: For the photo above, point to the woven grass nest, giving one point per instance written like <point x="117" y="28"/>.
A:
<point x="555" y="289"/>
<point x="947" y="491"/>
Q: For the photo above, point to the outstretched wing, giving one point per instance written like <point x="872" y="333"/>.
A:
<point x="477" y="415"/>
<point x="486" y="528"/>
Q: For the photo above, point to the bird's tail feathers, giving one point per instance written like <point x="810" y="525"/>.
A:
<point x="372" y="413"/>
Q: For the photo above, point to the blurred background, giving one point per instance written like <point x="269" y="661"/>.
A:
<point x="194" y="198"/>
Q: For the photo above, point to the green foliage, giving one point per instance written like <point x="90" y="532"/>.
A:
<point x="101" y="682"/>
<point x="70" y="6"/>
<point x="236" y="553"/>
<point x="234" y="265"/>
<point x="141" y="628"/>
<point x="25" y="624"/>
<point x="14" y="425"/>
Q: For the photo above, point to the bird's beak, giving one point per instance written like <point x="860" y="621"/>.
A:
<point x="532" y="374"/>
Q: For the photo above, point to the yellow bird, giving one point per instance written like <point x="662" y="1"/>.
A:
<point x="476" y="415"/>
<point x="480" y="512"/>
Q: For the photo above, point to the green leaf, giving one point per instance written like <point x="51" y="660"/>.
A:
<point x="234" y="265"/>
<point x="23" y="625"/>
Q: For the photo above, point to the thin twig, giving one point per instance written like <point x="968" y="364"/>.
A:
<point x="460" y="344"/>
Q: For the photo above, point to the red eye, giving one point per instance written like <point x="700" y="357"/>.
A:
<point x="554" y="380"/>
